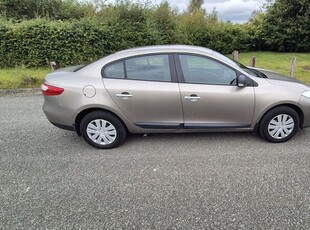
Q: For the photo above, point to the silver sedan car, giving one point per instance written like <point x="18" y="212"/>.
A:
<point x="173" y="88"/>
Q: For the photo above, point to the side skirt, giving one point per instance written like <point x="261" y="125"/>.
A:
<point x="155" y="125"/>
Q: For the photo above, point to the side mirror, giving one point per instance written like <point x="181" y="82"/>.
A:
<point x="243" y="81"/>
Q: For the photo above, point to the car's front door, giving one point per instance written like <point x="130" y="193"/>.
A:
<point x="210" y="96"/>
<point x="146" y="90"/>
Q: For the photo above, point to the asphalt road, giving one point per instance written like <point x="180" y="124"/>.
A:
<point x="51" y="179"/>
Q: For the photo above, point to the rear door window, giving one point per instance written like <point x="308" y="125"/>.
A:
<point x="148" y="68"/>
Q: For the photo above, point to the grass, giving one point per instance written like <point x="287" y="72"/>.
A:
<point x="20" y="77"/>
<point x="280" y="62"/>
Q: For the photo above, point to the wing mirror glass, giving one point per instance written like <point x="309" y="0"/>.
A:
<point x="243" y="81"/>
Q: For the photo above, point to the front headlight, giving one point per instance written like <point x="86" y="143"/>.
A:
<point x="306" y="94"/>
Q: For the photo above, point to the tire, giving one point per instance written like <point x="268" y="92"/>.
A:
<point x="102" y="130"/>
<point x="279" y="124"/>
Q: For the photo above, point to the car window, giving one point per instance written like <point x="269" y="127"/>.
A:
<point x="149" y="68"/>
<point x="237" y="64"/>
<point x="206" y="71"/>
<point x="115" y="70"/>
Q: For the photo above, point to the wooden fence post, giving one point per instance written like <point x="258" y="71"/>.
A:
<point x="235" y="55"/>
<point x="292" y="67"/>
<point x="252" y="61"/>
<point x="54" y="66"/>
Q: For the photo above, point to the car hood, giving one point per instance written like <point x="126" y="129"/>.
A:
<point x="276" y="76"/>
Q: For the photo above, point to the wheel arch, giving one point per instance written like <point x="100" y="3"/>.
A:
<point x="292" y="106"/>
<point x="84" y="112"/>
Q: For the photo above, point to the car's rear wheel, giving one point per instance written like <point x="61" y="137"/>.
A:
<point x="279" y="124"/>
<point x="102" y="130"/>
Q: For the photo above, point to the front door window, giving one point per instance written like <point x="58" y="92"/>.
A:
<point x="203" y="70"/>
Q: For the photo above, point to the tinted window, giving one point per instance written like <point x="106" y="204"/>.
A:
<point x="206" y="71"/>
<point x="149" y="68"/>
<point x="115" y="70"/>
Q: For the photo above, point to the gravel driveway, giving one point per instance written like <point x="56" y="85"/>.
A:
<point x="51" y="179"/>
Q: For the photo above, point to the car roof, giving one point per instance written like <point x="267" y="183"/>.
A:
<point x="156" y="49"/>
<point x="165" y="48"/>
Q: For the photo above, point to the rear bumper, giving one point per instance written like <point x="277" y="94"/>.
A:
<point x="70" y="128"/>
<point x="56" y="114"/>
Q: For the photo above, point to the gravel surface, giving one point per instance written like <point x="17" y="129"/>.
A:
<point x="51" y="179"/>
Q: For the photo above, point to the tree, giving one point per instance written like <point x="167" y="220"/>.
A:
<point x="165" y="19"/>
<point x="53" y="9"/>
<point x="286" y="26"/>
<point x="195" y="5"/>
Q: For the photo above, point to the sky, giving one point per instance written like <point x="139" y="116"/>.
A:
<point x="238" y="11"/>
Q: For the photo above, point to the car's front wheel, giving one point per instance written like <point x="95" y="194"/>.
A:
<point x="279" y="124"/>
<point x="102" y="130"/>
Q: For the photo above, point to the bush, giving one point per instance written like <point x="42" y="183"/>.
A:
<point x="28" y="82"/>
<point x="36" y="42"/>
<point x="53" y="9"/>
<point x="106" y="29"/>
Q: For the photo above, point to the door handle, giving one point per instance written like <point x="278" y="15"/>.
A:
<point x="192" y="97"/>
<point x="123" y="95"/>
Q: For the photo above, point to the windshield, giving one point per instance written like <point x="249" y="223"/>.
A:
<point x="235" y="63"/>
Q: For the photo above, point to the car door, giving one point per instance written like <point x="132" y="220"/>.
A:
<point x="210" y="96"/>
<point x="146" y="90"/>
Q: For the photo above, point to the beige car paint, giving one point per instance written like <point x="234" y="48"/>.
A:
<point x="165" y="102"/>
<point x="150" y="102"/>
<point x="217" y="104"/>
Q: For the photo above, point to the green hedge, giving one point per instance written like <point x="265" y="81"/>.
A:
<point x="34" y="43"/>
<point x="37" y="42"/>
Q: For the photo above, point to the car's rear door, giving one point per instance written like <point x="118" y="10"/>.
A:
<point x="145" y="89"/>
<point x="210" y="96"/>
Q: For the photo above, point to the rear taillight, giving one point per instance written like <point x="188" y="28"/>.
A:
<point x="49" y="90"/>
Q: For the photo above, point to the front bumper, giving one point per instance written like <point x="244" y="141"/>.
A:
<point x="305" y="104"/>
